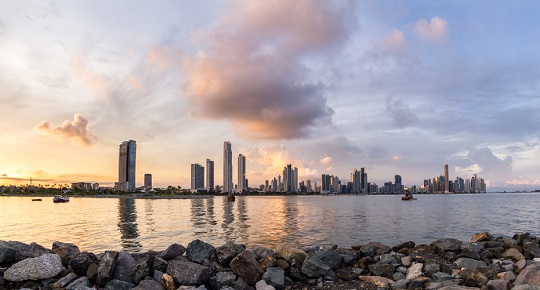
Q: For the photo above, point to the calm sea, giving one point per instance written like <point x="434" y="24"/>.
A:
<point x="99" y="224"/>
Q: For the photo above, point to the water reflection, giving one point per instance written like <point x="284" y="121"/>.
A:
<point x="127" y="224"/>
<point x="198" y="213"/>
<point x="243" y="218"/>
<point x="228" y="219"/>
<point x="148" y="210"/>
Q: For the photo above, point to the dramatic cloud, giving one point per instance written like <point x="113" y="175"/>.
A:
<point x="482" y="161"/>
<point x="326" y="160"/>
<point x="254" y="69"/>
<point x="400" y="113"/>
<point x="434" y="30"/>
<point x="76" y="130"/>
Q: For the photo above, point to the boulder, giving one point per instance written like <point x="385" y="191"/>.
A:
<point x="172" y="252"/>
<point x="7" y="253"/>
<point x="531" y="250"/>
<point x="198" y="251"/>
<point x="62" y="282"/>
<point x="380" y="248"/>
<point x="367" y="251"/>
<point x="314" y="267"/>
<point x="66" y="251"/>
<point x="124" y="263"/>
<point x="139" y="271"/>
<point x="481" y="237"/>
<point x="381" y="269"/>
<point x="149" y="285"/>
<point x="469" y="254"/>
<point x="222" y="279"/>
<point x="79" y="283"/>
<point x="522" y="238"/>
<point x="349" y="274"/>
<point x="378" y="281"/>
<point x="529" y="275"/>
<point x="42" y="267"/>
<point x="81" y="262"/>
<point x="498" y="284"/>
<point x="399" y="284"/>
<point x="262" y="285"/>
<point x="509" y="275"/>
<point x="430" y="269"/>
<point x="330" y="258"/>
<point x="274" y="276"/>
<point x="228" y="251"/>
<point x="159" y="264"/>
<point x="115" y="284"/>
<point x="469" y="264"/>
<point x="474" y="279"/>
<point x="348" y="256"/>
<point x="388" y="259"/>
<point x="262" y="252"/>
<point x="106" y="266"/>
<point x="414" y="271"/>
<point x="267" y="261"/>
<point x="446" y="245"/>
<point x="188" y="273"/>
<point x="167" y="281"/>
<point x="475" y="247"/>
<point x="513" y="254"/>
<point x="405" y="245"/>
<point x="24" y="251"/>
<point x="289" y="253"/>
<point x="246" y="266"/>
<point x="441" y="276"/>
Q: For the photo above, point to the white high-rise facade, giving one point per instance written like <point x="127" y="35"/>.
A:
<point x="209" y="175"/>
<point x="227" y="167"/>
<point x="242" y="186"/>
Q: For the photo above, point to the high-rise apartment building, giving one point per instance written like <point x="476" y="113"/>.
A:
<point x="126" y="166"/>
<point x="148" y="180"/>
<point x="197" y="177"/>
<point x="242" y="183"/>
<point x="295" y="179"/>
<point x="398" y="183"/>
<point x="446" y="179"/>
<point x="209" y="175"/>
<point x="227" y="167"/>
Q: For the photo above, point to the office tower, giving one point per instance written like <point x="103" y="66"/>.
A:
<point x="325" y="183"/>
<point x="266" y="185"/>
<point x="209" y="175"/>
<point x="148" y="180"/>
<point x="363" y="183"/>
<point x="242" y="186"/>
<point x="197" y="177"/>
<point x="274" y="185"/>
<point x="288" y="178"/>
<point x="126" y="166"/>
<point x="227" y="167"/>
<point x="446" y="179"/>
<point x="280" y="185"/>
<point x="295" y="179"/>
<point x="356" y="181"/>
<point x="397" y="181"/>
<point x="308" y="186"/>
<point x="365" y="190"/>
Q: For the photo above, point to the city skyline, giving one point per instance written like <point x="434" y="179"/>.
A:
<point x="397" y="88"/>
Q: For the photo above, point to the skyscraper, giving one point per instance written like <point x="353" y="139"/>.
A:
<point x="126" y="166"/>
<point x="209" y="175"/>
<point x="446" y="179"/>
<point x="148" y="180"/>
<point x="242" y="184"/>
<point x="227" y="167"/>
<point x="398" y="183"/>
<point x="295" y="179"/>
<point x="288" y="178"/>
<point x="197" y="177"/>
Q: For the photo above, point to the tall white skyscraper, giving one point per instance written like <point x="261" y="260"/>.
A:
<point x="242" y="186"/>
<point x="227" y="167"/>
<point x="209" y="175"/>
<point x="126" y="166"/>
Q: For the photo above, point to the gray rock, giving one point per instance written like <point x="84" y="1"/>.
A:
<point x="188" y="273"/>
<point x="262" y="252"/>
<point x="441" y="276"/>
<point x="246" y="266"/>
<point x="367" y="251"/>
<point x="509" y="275"/>
<point x="106" y="266"/>
<point x="228" y="251"/>
<point x="398" y="276"/>
<point x="474" y="279"/>
<point x="262" y="285"/>
<point x="475" y="247"/>
<point x="406" y="261"/>
<point x="274" y="276"/>
<point x="531" y="250"/>
<point x="64" y="281"/>
<point x="240" y="284"/>
<point x="66" y="251"/>
<point x="469" y="264"/>
<point x="399" y="284"/>
<point x="42" y="267"/>
<point x="81" y="262"/>
<point x="289" y="254"/>
<point x="226" y="278"/>
<point x="348" y="256"/>
<point x="330" y="258"/>
<point x="79" y="283"/>
<point x="414" y="271"/>
<point x="529" y="275"/>
<point x="139" y="271"/>
<point x="159" y="264"/>
<point x="513" y="254"/>
<point x="526" y="287"/>
<point x="405" y="245"/>
<point x="149" y="285"/>
<point x="380" y="269"/>
<point x="388" y="259"/>
<point x="25" y="251"/>
<point x="115" y="284"/>
<point x="380" y="248"/>
<point x="469" y="254"/>
<point x="124" y="263"/>
<point x="498" y="284"/>
<point x="430" y="269"/>
<point x="172" y="252"/>
<point x="314" y="267"/>
<point x="7" y="253"/>
<point x="446" y="245"/>
<point x="198" y="251"/>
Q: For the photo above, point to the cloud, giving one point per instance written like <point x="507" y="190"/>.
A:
<point x="400" y="113"/>
<point x="434" y="30"/>
<point x="326" y="160"/>
<point x="394" y="43"/>
<point x="253" y="70"/>
<point x="396" y="158"/>
<point x="483" y="162"/>
<point x="76" y="130"/>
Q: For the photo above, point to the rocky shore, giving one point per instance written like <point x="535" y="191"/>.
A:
<point x="484" y="262"/>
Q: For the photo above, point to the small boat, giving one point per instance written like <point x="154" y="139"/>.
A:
<point x="60" y="198"/>
<point x="36" y="199"/>
<point x="407" y="195"/>
<point x="231" y="197"/>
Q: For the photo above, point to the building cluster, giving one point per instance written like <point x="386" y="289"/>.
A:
<point x="203" y="180"/>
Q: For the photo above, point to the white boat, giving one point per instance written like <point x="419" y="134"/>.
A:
<point x="60" y="198"/>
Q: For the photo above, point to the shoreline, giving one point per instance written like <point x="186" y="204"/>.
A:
<point x="484" y="262"/>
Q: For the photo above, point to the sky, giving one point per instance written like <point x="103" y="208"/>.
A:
<point x="396" y="87"/>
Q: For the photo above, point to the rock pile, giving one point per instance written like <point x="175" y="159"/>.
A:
<point x="486" y="262"/>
